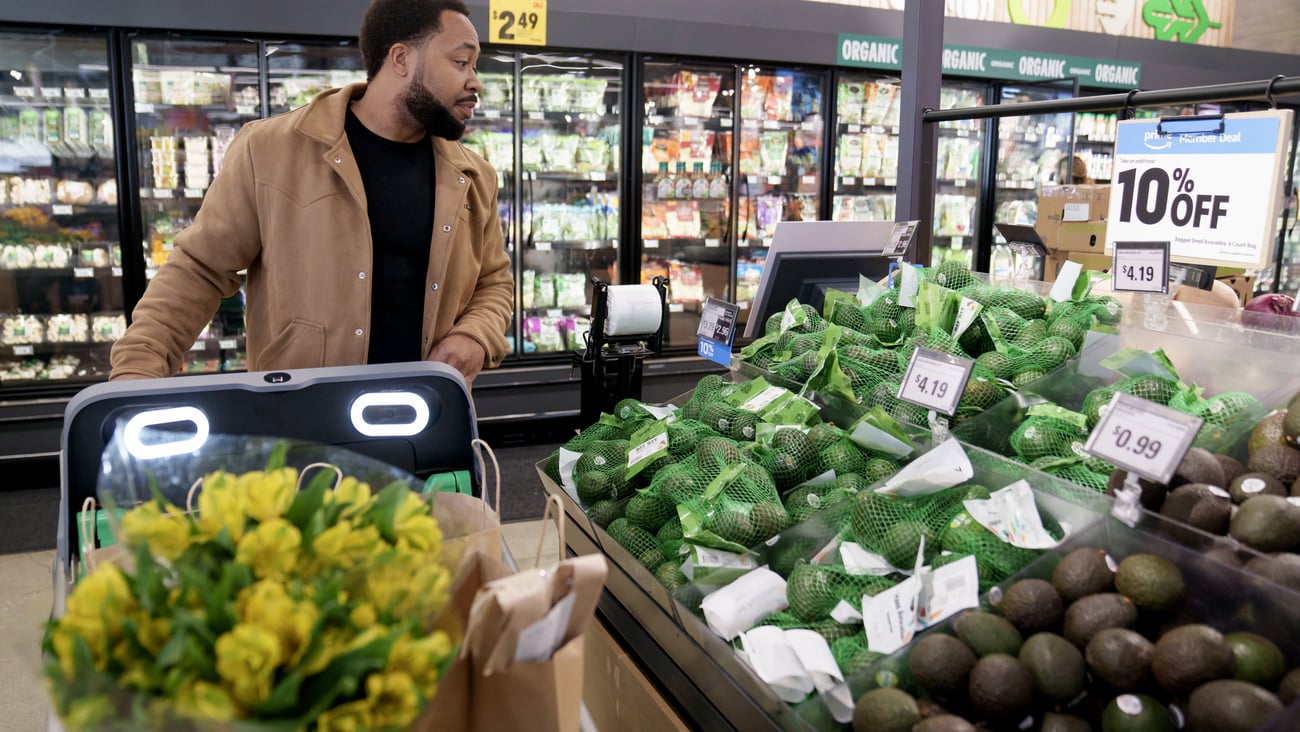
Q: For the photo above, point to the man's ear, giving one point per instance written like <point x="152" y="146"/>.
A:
<point x="401" y="58"/>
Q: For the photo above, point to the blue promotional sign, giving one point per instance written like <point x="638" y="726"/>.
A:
<point x="717" y="331"/>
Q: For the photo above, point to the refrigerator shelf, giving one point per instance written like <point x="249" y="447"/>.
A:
<point x="598" y="176"/>
<point x="587" y="245"/>
<point x="673" y="122"/>
<point x="238" y="111"/>
<point x="849" y="182"/>
<point x="557" y="116"/>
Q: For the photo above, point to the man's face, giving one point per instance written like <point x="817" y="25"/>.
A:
<point x="444" y="86"/>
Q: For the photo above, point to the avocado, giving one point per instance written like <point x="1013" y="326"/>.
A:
<point x="1289" y="690"/>
<point x="1001" y="689"/>
<point x="1291" y="422"/>
<point x="885" y="710"/>
<point x="941" y="664"/>
<point x="1033" y="606"/>
<point x="810" y="592"/>
<point x="1267" y="524"/>
<point x="902" y="541"/>
<point x="1094" y="613"/>
<point x="1201" y="506"/>
<point x="1268" y="431"/>
<point x="1082" y="572"/>
<point x="670" y="575"/>
<point x="1281" y="568"/>
<point x="1230" y="706"/>
<point x="1225" y="555"/>
<point x="1232" y="467"/>
<point x="944" y="723"/>
<point x="1199" y="466"/>
<point x="1121" y="658"/>
<point x="1137" y="713"/>
<point x="1189" y="656"/>
<point x="1056" y="666"/>
<point x="1258" y="660"/>
<point x="1151" y="582"/>
<point x="1054" y="722"/>
<point x="1249" y="485"/>
<point x="1279" y="461"/>
<point x="987" y="634"/>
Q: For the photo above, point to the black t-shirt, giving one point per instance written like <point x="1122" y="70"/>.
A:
<point x="399" y="182"/>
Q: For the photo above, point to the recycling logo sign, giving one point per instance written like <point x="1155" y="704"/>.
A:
<point x="1180" y="21"/>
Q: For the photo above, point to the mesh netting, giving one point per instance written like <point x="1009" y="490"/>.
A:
<point x="935" y="340"/>
<point x="746" y="511"/>
<point x="813" y="321"/>
<point x="952" y="274"/>
<point x="1070" y="331"/>
<point x="1044" y="355"/>
<point x="995" y="559"/>
<point x="604" y="512"/>
<point x="843" y="456"/>
<point x="1040" y="437"/>
<point x="649" y="511"/>
<point x="894" y="527"/>
<point x="1025" y="304"/>
<point x="792" y="458"/>
<point x="598" y="474"/>
<point x="824" y="434"/>
<point x="785" y="621"/>
<point x="714" y="454"/>
<point x="708" y="390"/>
<point x="851" y="654"/>
<point x="594" y="433"/>
<point x="670" y="576"/>
<point x="980" y="394"/>
<point x="813" y="590"/>
<point x="672" y="529"/>
<point x="684" y="437"/>
<point x="679" y="482"/>
<point x="809" y="500"/>
<point x="552" y="467"/>
<point x="631" y="409"/>
<point x="642" y="545"/>
<point x="850" y="317"/>
<point x="998" y="364"/>
<point x="1080" y="474"/>
<point x="883" y="316"/>
<point x="1223" y="409"/>
<point x="1030" y="335"/>
<point x="833" y="630"/>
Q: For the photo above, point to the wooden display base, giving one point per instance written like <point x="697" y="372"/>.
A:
<point x="618" y="696"/>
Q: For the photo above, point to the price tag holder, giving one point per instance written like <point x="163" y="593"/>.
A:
<point x="935" y="380"/>
<point x="517" y="21"/>
<point x="717" y="331"/>
<point x="24" y="351"/>
<point x="900" y="238"/>
<point x="1141" y="266"/>
<point x="1143" y="437"/>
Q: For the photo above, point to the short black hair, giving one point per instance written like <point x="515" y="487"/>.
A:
<point x="389" y="22"/>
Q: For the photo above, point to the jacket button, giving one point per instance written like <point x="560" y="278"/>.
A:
<point x="361" y="275"/>
<point x="446" y="227"/>
<point x="434" y="287"/>
<point x="338" y="160"/>
<point x="460" y="180"/>
<point x="359" y="331"/>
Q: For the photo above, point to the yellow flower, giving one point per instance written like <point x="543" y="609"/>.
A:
<point x="202" y="700"/>
<point x="342" y="544"/>
<point x="167" y="533"/>
<point x="420" y="658"/>
<point x="247" y="657"/>
<point x="62" y="640"/>
<point x="392" y="699"/>
<point x="421" y="533"/>
<point x="140" y="676"/>
<point x="352" y="492"/>
<point x="101" y="597"/>
<point x="271" y="549"/>
<point x="267" y="605"/>
<point x="363" y="616"/>
<point x="151" y="632"/>
<point x="88" y="712"/>
<point x="222" y="505"/>
<point x="350" y="717"/>
<point x="388" y="581"/>
<point x="334" y="641"/>
<point x="268" y="493"/>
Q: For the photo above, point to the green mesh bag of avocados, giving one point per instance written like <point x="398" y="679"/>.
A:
<point x="601" y="430"/>
<point x="995" y="559"/>
<point x="951" y="274"/>
<point x="785" y="621"/>
<point x="789" y="458"/>
<point x="1025" y="304"/>
<point x="894" y="527"/>
<point x="1081" y="474"/>
<point x="679" y="482"/>
<point x="934" y="339"/>
<point x="1050" y="431"/>
<point x="598" y="473"/>
<point x="684" y="437"/>
<point x="851" y="654"/>
<point x="813" y="590"/>
<point x="1227" y="416"/>
<point x="829" y="500"/>
<point x="738" y="509"/>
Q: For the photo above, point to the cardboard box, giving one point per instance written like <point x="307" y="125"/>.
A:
<point x="1242" y="284"/>
<point x="1062" y="207"/>
<point x="618" y="696"/>
<point x="1053" y="262"/>
<point x="1087" y="237"/>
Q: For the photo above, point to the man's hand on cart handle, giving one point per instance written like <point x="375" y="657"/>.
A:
<point x="461" y="353"/>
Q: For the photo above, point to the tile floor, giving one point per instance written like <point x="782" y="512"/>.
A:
<point x="26" y="589"/>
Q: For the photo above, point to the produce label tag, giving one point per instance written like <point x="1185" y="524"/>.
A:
<point x="658" y="412"/>
<point x="568" y="459"/>
<point x="948" y="590"/>
<point x="775" y="662"/>
<point x="890" y="617"/>
<point x="860" y="562"/>
<point x="1012" y="516"/>
<point x="935" y="380"/>
<point x="1140" y="266"/>
<point x="792" y="316"/>
<point x="967" y="312"/>
<point x="1211" y="187"/>
<point x="943" y="467"/>
<point x="900" y="238"/>
<point x="717" y="566"/>
<point x="910" y="286"/>
<point x="757" y="402"/>
<point x="648" y="445"/>
<point x="744" y="603"/>
<point x="868" y="291"/>
<point x="815" y="656"/>
<point x="1063" y="287"/>
<point x="1143" y="437"/>
<point x="845" y="614"/>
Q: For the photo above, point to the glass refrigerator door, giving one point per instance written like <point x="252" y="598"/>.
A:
<point x="866" y="148"/>
<point x="958" y="177"/>
<point x="191" y="96"/>
<point x="1033" y="152"/>
<point x="61" y="297"/>
<point x="297" y="72"/>
<point x="782" y="124"/>
<point x="491" y="134"/>
<point x="570" y="192"/>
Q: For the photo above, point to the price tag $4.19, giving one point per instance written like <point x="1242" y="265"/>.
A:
<point x="1143" y="437"/>
<point x="935" y="380"/>
<point x="1141" y="267"/>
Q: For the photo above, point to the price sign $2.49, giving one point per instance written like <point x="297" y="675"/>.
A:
<point x="518" y="21"/>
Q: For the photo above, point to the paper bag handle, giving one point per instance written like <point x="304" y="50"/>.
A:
<point x="87" y="520"/>
<point x="480" y="447"/>
<point x="302" y="476"/>
<point x="551" y="502"/>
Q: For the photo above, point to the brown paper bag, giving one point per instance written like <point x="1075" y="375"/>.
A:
<point x="469" y="524"/>
<point x="488" y="688"/>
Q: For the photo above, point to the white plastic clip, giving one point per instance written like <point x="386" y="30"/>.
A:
<point x="1128" y="501"/>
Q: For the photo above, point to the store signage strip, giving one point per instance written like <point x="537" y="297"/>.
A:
<point x="872" y="52"/>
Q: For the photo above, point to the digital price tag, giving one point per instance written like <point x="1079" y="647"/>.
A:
<point x="900" y="238"/>
<point x="517" y="21"/>
<point x="226" y="344"/>
<point x="61" y="209"/>
<point x="491" y="114"/>
<point x="24" y="350"/>
<point x="1143" y="437"/>
<point x="717" y="331"/>
<point x="935" y="380"/>
<point x="1141" y="266"/>
<point x="83" y="273"/>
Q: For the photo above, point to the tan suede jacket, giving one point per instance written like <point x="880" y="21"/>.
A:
<point x="289" y="207"/>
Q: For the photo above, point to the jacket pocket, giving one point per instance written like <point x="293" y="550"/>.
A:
<point x="301" y="345"/>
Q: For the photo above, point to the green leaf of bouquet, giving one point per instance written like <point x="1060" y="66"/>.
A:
<point x="343" y="675"/>
<point x="148" y="580"/>
<point x="384" y="512"/>
<point x="278" y="455"/>
<point x="283" y="698"/>
<point x="308" y="502"/>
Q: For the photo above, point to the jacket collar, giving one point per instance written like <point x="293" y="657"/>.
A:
<point x="324" y="117"/>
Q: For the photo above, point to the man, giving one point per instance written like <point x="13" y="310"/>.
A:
<point x="369" y="234"/>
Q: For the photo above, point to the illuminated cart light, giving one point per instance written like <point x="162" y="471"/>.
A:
<point x="136" y="425"/>
<point x="389" y="399"/>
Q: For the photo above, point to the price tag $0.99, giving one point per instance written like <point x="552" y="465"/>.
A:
<point x="935" y="380"/>
<point x="1143" y="437"/>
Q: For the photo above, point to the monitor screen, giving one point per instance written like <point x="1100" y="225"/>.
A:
<point x="808" y="257"/>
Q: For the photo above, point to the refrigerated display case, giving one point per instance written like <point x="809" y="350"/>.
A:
<point x="61" y="298"/>
<point x="297" y="72"/>
<point x="569" y="193"/>
<point x="866" y="159"/>
<point x="191" y="96"/>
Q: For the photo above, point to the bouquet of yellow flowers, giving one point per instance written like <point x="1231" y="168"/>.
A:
<point x="272" y="605"/>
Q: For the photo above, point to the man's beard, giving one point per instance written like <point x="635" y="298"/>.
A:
<point x="429" y="113"/>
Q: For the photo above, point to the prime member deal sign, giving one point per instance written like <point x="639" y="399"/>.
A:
<point x="1210" y="186"/>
